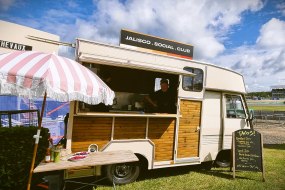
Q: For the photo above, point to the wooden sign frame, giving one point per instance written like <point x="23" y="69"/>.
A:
<point x="234" y="156"/>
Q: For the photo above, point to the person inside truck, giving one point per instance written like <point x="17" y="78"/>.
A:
<point x="162" y="101"/>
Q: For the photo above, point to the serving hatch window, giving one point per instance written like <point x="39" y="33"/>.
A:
<point x="193" y="83"/>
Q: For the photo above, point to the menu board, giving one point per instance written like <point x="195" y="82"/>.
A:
<point x="247" y="150"/>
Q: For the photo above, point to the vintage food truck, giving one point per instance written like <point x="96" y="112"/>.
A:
<point x="210" y="105"/>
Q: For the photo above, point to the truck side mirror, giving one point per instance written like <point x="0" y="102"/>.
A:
<point x="251" y="115"/>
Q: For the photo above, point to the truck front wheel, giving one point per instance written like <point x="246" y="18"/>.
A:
<point x="122" y="173"/>
<point x="223" y="159"/>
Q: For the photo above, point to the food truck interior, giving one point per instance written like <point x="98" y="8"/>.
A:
<point x="131" y="87"/>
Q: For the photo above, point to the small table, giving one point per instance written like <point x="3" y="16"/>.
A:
<point x="92" y="160"/>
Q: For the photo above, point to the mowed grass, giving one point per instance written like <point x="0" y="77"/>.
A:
<point x="267" y="105"/>
<point x="267" y="108"/>
<point x="194" y="178"/>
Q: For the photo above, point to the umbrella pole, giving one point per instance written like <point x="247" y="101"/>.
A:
<point x="37" y="137"/>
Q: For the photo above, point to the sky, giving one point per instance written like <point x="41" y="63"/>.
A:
<point x="247" y="36"/>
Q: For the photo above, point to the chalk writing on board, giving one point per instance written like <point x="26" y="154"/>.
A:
<point x="248" y="155"/>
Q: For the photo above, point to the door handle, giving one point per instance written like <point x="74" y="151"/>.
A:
<point x="197" y="129"/>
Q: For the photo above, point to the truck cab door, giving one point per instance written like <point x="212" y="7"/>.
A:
<point x="234" y="117"/>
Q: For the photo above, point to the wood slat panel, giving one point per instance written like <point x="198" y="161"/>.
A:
<point x="188" y="138"/>
<point x="161" y="132"/>
<point x="88" y="131"/>
<point x="130" y="128"/>
<point x="83" y="146"/>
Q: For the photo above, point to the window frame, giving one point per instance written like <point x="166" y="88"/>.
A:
<point x="235" y="109"/>
<point x="193" y="78"/>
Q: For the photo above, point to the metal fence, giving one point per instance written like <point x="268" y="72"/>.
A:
<point x="11" y="118"/>
<point x="270" y="115"/>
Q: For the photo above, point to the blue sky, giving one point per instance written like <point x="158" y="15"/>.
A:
<point x="247" y="36"/>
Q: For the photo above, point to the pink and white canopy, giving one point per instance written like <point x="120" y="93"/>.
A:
<point x="30" y="74"/>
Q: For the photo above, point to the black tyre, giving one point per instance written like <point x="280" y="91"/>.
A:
<point x="122" y="173"/>
<point x="223" y="159"/>
<point x="223" y="163"/>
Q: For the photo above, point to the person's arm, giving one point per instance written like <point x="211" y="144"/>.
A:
<point x="148" y="99"/>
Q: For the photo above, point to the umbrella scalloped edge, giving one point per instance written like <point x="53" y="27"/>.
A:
<point x="13" y="89"/>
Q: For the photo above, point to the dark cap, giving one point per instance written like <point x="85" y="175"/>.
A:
<point x="163" y="81"/>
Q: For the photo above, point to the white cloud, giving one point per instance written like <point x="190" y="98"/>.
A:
<point x="6" y="4"/>
<point x="72" y="4"/>
<point x="66" y="51"/>
<point x="272" y="34"/>
<point x="204" y="24"/>
<point x="200" y="23"/>
<point x="262" y="64"/>
<point x="281" y="8"/>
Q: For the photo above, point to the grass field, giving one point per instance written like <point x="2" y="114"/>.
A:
<point x="266" y="105"/>
<point x="267" y="108"/>
<point x="193" y="178"/>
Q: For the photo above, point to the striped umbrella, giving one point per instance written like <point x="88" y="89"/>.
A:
<point x="34" y="74"/>
<point x="30" y="74"/>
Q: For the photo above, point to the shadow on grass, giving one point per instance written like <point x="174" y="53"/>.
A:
<point x="156" y="174"/>
<point x="221" y="173"/>
<point x="144" y="175"/>
<point x="165" y="172"/>
<point x="101" y="181"/>
<point x="275" y="146"/>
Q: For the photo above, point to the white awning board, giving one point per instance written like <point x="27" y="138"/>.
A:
<point x="93" y="58"/>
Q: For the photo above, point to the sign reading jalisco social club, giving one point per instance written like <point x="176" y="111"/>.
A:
<point x="15" y="46"/>
<point x="156" y="44"/>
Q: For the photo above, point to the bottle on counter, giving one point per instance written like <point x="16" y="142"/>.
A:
<point x="47" y="158"/>
<point x="52" y="154"/>
<point x="51" y="148"/>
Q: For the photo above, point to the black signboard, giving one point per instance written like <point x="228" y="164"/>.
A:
<point x="247" y="151"/>
<point x="15" y="46"/>
<point x="155" y="43"/>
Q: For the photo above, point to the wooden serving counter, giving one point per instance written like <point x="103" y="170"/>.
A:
<point x="93" y="159"/>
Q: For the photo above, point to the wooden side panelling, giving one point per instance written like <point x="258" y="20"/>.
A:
<point x="90" y="130"/>
<point x="188" y="135"/>
<point x="161" y="132"/>
<point x="130" y="128"/>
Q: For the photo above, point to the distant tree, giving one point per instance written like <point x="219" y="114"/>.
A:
<point x="259" y="94"/>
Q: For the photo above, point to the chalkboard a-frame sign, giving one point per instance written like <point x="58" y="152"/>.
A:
<point x="247" y="149"/>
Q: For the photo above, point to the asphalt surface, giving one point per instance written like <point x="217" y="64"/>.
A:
<point x="273" y="131"/>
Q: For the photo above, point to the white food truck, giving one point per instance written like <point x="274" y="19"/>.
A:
<point x="209" y="101"/>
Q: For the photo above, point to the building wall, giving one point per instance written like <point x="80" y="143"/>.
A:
<point x="15" y="33"/>
<point x="278" y="93"/>
<point x="11" y="35"/>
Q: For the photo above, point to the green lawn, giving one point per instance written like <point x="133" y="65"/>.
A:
<point x="268" y="108"/>
<point x="193" y="178"/>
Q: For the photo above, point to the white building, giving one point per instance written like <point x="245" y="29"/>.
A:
<point x="18" y="37"/>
